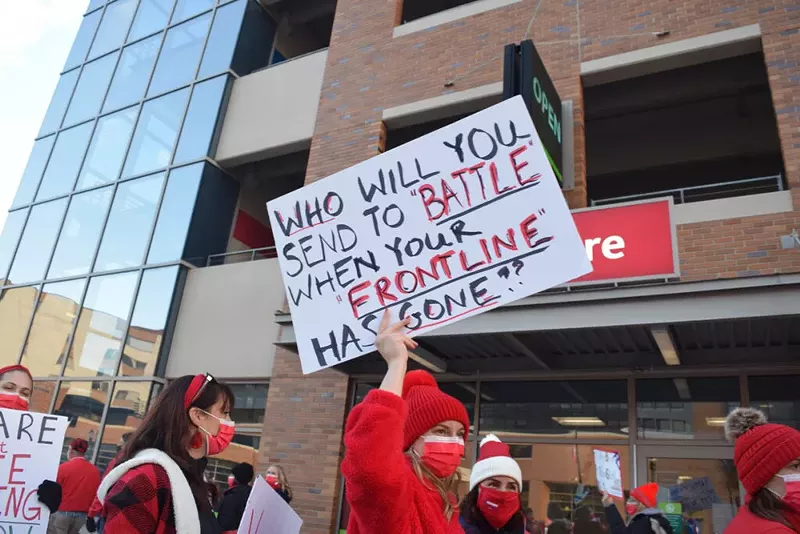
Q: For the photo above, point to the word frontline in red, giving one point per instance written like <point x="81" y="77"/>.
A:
<point x="629" y="242"/>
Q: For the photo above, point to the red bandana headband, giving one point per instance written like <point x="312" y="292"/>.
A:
<point x="194" y="389"/>
<point x="10" y="368"/>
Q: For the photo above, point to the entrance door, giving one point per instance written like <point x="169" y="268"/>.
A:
<point x="699" y="488"/>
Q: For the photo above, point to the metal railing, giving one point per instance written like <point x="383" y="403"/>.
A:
<point x="698" y="193"/>
<point x="242" y="256"/>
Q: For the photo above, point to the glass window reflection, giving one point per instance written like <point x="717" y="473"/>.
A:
<point x="80" y="232"/>
<point x="42" y="395"/>
<point x="82" y="403"/>
<point x="201" y="120"/>
<point x="146" y="333"/>
<point x="180" y="55"/>
<point x="59" y="102"/>
<point x="129" y="224"/>
<point x="250" y="403"/>
<point x="56" y="313"/>
<point x="65" y="161"/>
<point x="94" y="4"/>
<point x="156" y="133"/>
<point x="190" y="8"/>
<point x="151" y="16"/>
<point x="91" y="89"/>
<point x="133" y="73"/>
<point x="102" y="325"/>
<point x="113" y="28"/>
<point x="169" y="238"/>
<point x="107" y="149"/>
<point x="37" y="241"/>
<point x="778" y="397"/>
<point x="125" y="413"/>
<point x="218" y="55"/>
<point x="33" y="171"/>
<point x="16" y="307"/>
<point x="9" y="236"/>
<point x="83" y="39"/>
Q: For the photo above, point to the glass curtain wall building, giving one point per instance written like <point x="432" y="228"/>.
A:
<point x="120" y="196"/>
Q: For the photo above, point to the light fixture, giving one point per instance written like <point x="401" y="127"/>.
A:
<point x="665" y="344"/>
<point x="715" y="421"/>
<point x="684" y="478"/>
<point x="579" y="421"/>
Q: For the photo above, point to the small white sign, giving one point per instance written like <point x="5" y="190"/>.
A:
<point x="267" y="513"/>
<point x="30" y="451"/>
<point x="609" y="472"/>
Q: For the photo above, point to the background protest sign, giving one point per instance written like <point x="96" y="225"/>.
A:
<point x="452" y="224"/>
<point x="30" y="451"/>
<point x="696" y="494"/>
<point x="267" y="513"/>
<point x="609" y="472"/>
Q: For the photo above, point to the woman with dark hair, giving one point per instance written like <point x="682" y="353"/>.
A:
<point x="493" y="504"/>
<point x="157" y="486"/>
<point x="767" y="458"/>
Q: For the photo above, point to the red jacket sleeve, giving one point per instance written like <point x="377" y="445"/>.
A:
<point x="96" y="508"/>
<point x="375" y="468"/>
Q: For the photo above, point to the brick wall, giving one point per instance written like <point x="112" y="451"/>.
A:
<point x="369" y="71"/>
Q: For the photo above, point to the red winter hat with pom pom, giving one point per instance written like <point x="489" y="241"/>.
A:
<point x="761" y="449"/>
<point x="428" y="406"/>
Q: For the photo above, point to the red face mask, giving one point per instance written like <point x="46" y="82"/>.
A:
<point x="231" y="481"/>
<point x="442" y="455"/>
<point x="273" y="481"/>
<point x="497" y="506"/>
<point x="631" y="508"/>
<point x="13" y="401"/>
<point x="220" y="442"/>
<point x="792" y="496"/>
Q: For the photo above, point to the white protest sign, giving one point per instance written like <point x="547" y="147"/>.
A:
<point x="609" y="473"/>
<point x="455" y="223"/>
<point x="30" y="451"/>
<point x="267" y="513"/>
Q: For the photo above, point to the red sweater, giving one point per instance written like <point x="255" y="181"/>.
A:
<point x="97" y="506"/>
<point x="746" y="522"/>
<point x="384" y="493"/>
<point x="79" y="480"/>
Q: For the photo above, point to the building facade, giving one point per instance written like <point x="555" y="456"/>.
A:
<point x="138" y="247"/>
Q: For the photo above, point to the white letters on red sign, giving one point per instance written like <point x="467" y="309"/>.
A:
<point x="611" y="247"/>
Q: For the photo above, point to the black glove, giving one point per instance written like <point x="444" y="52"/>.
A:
<point x="50" y="495"/>
<point x="91" y="526"/>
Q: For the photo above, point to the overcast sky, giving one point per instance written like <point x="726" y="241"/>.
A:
<point x="35" y="37"/>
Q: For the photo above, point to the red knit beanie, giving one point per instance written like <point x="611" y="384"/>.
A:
<point x="646" y="494"/>
<point x="428" y="406"/>
<point x="761" y="449"/>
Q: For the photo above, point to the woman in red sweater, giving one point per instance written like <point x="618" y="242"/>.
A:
<point x="767" y="458"/>
<point x="404" y="444"/>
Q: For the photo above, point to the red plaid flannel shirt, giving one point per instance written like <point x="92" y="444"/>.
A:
<point x="140" y="501"/>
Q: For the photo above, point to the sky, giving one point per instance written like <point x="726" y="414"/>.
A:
<point x="35" y="38"/>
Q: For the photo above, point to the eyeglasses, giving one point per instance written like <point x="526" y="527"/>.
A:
<point x="207" y="379"/>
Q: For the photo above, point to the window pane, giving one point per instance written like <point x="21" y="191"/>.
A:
<point x="698" y="406"/>
<point x="107" y="149"/>
<point x="94" y="4"/>
<point x="222" y="39"/>
<point x="101" y="326"/>
<point x="250" y="403"/>
<point x="113" y="27"/>
<point x="65" y="161"/>
<point x="91" y="89"/>
<point x="55" y="316"/>
<point x="574" y="409"/>
<point x="8" y="240"/>
<point x="37" y="242"/>
<point x="151" y="16"/>
<point x="82" y="403"/>
<point x="146" y="333"/>
<point x="189" y="8"/>
<point x="180" y="55"/>
<point x="778" y="397"/>
<point x="133" y="73"/>
<point x="129" y="225"/>
<point x="59" y="102"/>
<point x="16" y="306"/>
<point x="33" y="171"/>
<point x="83" y="40"/>
<point x="125" y="414"/>
<point x="155" y="134"/>
<point x="80" y="233"/>
<point x="42" y="395"/>
<point x="169" y="239"/>
<point x="201" y="120"/>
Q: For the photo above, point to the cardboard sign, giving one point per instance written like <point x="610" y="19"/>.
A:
<point x="609" y="472"/>
<point x="30" y="451"/>
<point x="267" y="513"/>
<point x="455" y="223"/>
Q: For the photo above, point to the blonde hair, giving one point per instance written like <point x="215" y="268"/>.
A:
<point x="282" y="480"/>
<point x="443" y="486"/>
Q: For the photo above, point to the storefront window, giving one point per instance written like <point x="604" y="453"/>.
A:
<point x="778" y="397"/>
<point x="82" y="403"/>
<point x="250" y="403"/>
<point x="126" y="412"/>
<point x="685" y="408"/>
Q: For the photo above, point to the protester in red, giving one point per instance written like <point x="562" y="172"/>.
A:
<point x="79" y="480"/>
<point x="16" y="388"/>
<point x="493" y="504"/>
<point x="157" y="486"/>
<point x="404" y="444"/>
<point x="276" y="478"/>
<point x="767" y="458"/>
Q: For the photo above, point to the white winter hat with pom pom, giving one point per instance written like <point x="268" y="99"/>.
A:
<point x="494" y="460"/>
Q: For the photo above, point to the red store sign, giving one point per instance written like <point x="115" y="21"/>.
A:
<point x="634" y="241"/>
